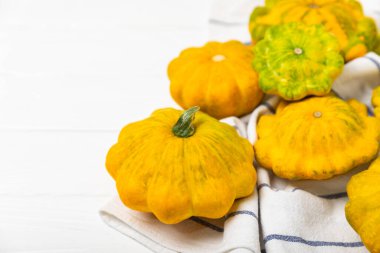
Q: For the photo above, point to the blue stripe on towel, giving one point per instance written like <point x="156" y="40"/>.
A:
<point x="334" y="196"/>
<point x="219" y="229"/>
<point x="329" y="196"/>
<point x="374" y="61"/>
<point x="297" y="239"/>
<point x="241" y="212"/>
<point x="262" y="185"/>
<point x="207" y="224"/>
<point x="265" y="185"/>
<point x="269" y="107"/>
<point x="370" y="112"/>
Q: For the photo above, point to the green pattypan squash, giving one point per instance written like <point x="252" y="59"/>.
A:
<point x="296" y="60"/>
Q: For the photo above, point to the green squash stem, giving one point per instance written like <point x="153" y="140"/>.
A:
<point x="184" y="127"/>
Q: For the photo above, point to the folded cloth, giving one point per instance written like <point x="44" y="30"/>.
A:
<point x="238" y="231"/>
<point x="358" y="79"/>
<point x="306" y="215"/>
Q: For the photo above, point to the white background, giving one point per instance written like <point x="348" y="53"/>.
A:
<point x="72" y="74"/>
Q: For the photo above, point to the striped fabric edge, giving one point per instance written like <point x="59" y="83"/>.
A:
<point x="207" y="224"/>
<point x="246" y="212"/>
<point x="335" y="195"/>
<point x="269" y="107"/>
<point x="370" y="111"/>
<point x="220" y="229"/>
<point x="260" y="186"/>
<point x="296" y="239"/>
<point x="327" y="196"/>
<point x="374" y="62"/>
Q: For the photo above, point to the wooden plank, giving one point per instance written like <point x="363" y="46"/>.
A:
<point x="77" y="53"/>
<point x="58" y="224"/>
<point x="54" y="163"/>
<point x="85" y="103"/>
<point x="72" y="73"/>
<point x="51" y="185"/>
<point x="98" y="13"/>
<point x="84" y="64"/>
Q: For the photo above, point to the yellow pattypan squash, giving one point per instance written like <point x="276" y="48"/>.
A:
<point x="376" y="101"/>
<point x="363" y="207"/>
<point x="176" y="165"/>
<point x="218" y="77"/>
<point x="343" y="18"/>
<point x="316" y="138"/>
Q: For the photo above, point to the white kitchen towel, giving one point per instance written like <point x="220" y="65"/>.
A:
<point x="306" y="215"/>
<point x="237" y="232"/>
<point x="358" y="78"/>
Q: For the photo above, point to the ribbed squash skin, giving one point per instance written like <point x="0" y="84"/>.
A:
<point x="221" y="87"/>
<point x="176" y="178"/>
<point x="344" y="18"/>
<point x="293" y="74"/>
<point x="376" y="101"/>
<point x="317" y="138"/>
<point x="363" y="207"/>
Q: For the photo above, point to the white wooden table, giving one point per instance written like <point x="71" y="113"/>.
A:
<point x="72" y="73"/>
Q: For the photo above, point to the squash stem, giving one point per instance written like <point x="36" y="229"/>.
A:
<point x="184" y="127"/>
